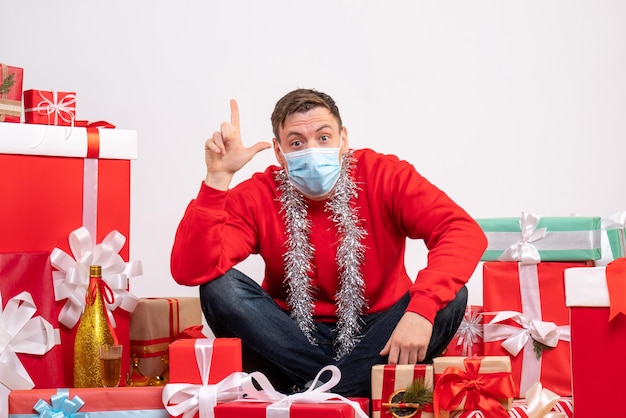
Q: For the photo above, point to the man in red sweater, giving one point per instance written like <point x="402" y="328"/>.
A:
<point x="331" y="224"/>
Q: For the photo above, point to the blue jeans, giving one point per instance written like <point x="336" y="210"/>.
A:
<point x="234" y="305"/>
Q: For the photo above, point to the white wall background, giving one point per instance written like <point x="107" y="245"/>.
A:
<point x="508" y="106"/>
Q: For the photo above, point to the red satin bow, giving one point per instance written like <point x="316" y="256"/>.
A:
<point x="480" y="391"/>
<point x="97" y="124"/>
<point x="616" y="283"/>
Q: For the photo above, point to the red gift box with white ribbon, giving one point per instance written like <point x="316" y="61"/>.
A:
<point x="526" y="319"/>
<point x="69" y="189"/>
<point x="49" y="107"/>
<point x="31" y="352"/>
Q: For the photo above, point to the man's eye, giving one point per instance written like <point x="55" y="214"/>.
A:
<point x="296" y="143"/>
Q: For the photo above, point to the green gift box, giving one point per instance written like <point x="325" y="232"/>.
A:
<point x="532" y="239"/>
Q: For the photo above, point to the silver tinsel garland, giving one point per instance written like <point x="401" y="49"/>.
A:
<point x="350" y="253"/>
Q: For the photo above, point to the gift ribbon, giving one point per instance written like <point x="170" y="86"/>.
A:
<point x="523" y="251"/>
<point x="280" y="404"/>
<point x="480" y="391"/>
<point x="60" y="406"/>
<point x="22" y="332"/>
<point x="616" y="284"/>
<point x="540" y="401"/>
<point x="531" y="327"/>
<point x="63" y="109"/>
<point x="470" y="331"/>
<point x="188" y="399"/>
<point x="71" y="281"/>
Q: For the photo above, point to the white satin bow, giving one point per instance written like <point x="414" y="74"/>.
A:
<point x="515" y="338"/>
<point x="540" y="402"/>
<point x="22" y="332"/>
<point x="523" y="251"/>
<point x="281" y="403"/>
<point x="72" y="278"/>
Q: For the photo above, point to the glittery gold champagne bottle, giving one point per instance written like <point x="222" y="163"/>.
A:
<point x="93" y="331"/>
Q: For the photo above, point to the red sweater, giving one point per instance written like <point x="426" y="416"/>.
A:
<point x="221" y="228"/>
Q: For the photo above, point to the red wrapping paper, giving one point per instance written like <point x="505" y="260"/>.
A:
<point x="49" y="108"/>
<point x="31" y="272"/>
<point x="46" y="205"/>
<point x="298" y="410"/>
<point x="501" y="292"/>
<point x="226" y="359"/>
<point x="465" y="381"/>
<point x="468" y="340"/>
<point x="598" y="362"/>
<point x="388" y="378"/>
<point x="11" y="100"/>
<point x="114" y="400"/>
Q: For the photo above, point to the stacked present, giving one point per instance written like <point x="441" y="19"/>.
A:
<point x="66" y="194"/>
<point x="456" y="386"/>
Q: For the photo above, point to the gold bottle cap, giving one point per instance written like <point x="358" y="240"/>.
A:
<point x="95" y="271"/>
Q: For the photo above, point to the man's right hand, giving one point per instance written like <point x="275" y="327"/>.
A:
<point x="225" y="153"/>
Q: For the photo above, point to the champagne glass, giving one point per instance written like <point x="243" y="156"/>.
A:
<point x="110" y="365"/>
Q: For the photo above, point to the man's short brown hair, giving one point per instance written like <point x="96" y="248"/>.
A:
<point x="301" y="100"/>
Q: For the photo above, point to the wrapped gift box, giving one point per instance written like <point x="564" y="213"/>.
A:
<point x="154" y="324"/>
<point x="533" y="298"/>
<point x="49" y="107"/>
<point x="598" y="341"/>
<point x="11" y="93"/>
<point x="144" y="402"/>
<point x="31" y="351"/>
<point x="551" y="239"/>
<point x="388" y="380"/>
<point x="225" y="359"/>
<point x="58" y="179"/>
<point x="468" y="339"/>
<point x="519" y="409"/>
<point x="490" y="377"/>
<point x="237" y="409"/>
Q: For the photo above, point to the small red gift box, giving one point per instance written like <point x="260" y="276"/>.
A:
<point x="136" y="402"/>
<point x="11" y="93"/>
<point x="225" y="359"/>
<point x="526" y="319"/>
<point x="57" y="180"/>
<point x="388" y="380"/>
<point x="297" y="410"/>
<point x="597" y="298"/>
<point x="468" y="340"/>
<point x="469" y="383"/>
<point x="31" y="352"/>
<point x="157" y="322"/>
<point x="49" y="107"/>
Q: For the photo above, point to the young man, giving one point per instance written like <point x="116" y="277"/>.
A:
<point x="331" y="224"/>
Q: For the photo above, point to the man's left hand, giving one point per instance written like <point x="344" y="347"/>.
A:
<point x="409" y="341"/>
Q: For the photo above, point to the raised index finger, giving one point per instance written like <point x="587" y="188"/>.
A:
<point x="234" y="114"/>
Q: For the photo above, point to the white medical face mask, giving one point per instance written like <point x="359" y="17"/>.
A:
<point x="314" y="171"/>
